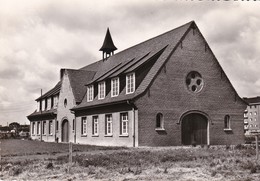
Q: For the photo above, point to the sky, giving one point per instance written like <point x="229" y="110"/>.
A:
<point x="39" y="37"/>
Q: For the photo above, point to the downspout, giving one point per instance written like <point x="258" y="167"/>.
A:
<point x="74" y="125"/>
<point x="133" y="116"/>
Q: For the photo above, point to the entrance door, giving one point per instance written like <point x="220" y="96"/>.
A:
<point x="194" y="129"/>
<point x="65" y="131"/>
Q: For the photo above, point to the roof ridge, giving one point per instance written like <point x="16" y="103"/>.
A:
<point x="155" y="37"/>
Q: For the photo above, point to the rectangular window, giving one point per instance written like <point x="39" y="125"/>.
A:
<point x="84" y="126"/>
<point x="101" y="90"/>
<point x="38" y="128"/>
<point x="227" y="123"/>
<point x="95" y="125"/>
<point x="73" y="124"/>
<point x="33" y="128"/>
<point x="90" y="93"/>
<point x="115" y="87"/>
<point x="50" y="127"/>
<point x="108" y="125"/>
<point x="124" y="124"/>
<point x="43" y="105"/>
<point x="130" y="83"/>
<point x="57" y="125"/>
<point x="44" y="127"/>
<point x="46" y="104"/>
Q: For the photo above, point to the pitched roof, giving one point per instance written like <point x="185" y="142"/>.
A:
<point x="108" y="45"/>
<point x="54" y="91"/>
<point x="78" y="79"/>
<point x="45" y="113"/>
<point x="252" y="100"/>
<point x="133" y="57"/>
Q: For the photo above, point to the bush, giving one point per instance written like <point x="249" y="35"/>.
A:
<point x="49" y="165"/>
<point x="15" y="171"/>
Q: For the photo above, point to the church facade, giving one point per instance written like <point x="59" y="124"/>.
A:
<point x="169" y="90"/>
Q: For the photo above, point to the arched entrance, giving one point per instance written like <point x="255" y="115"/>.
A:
<point x="194" y="128"/>
<point x="65" y="131"/>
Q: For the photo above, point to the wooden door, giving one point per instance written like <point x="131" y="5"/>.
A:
<point x="194" y="129"/>
<point x="65" y="131"/>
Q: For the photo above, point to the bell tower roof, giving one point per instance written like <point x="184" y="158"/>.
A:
<point x="108" y="45"/>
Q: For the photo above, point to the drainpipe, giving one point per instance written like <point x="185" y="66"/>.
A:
<point x="74" y="125"/>
<point x="133" y="116"/>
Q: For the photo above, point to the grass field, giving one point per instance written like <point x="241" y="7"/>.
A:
<point x="32" y="160"/>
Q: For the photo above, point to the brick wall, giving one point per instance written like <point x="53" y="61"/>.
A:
<point x="170" y="96"/>
<point x="116" y="139"/>
<point x="64" y="113"/>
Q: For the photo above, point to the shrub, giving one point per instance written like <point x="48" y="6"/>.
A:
<point x="49" y="165"/>
<point x="15" y="171"/>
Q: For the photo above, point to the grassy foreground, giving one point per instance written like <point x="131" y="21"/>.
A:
<point x="112" y="163"/>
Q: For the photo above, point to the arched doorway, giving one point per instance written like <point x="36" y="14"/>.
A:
<point x="65" y="131"/>
<point x="194" y="128"/>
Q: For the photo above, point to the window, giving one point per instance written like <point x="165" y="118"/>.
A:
<point x="84" y="126"/>
<point x="194" y="82"/>
<point x="38" y="128"/>
<point x="227" y="122"/>
<point x="33" y="128"/>
<point x="73" y="124"/>
<point x="46" y="103"/>
<point x="57" y="125"/>
<point x="95" y="125"/>
<point x="115" y="87"/>
<point x="65" y="103"/>
<point x="90" y="93"/>
<point x="44" y="128"/>
<point x="251" y="119"/>
<point x="52" y="102"/>
<point x="250" y="113"/>
<point x="159" y="121"/>
<point x="101" y="90"/>
<point x="43" y="105"/>
<point x="108" y="125"/>
<point x="130" y="83"/>
<point x="255" y="113"/>
<point x="50" y="127"/>
<point x="124" y="124"/>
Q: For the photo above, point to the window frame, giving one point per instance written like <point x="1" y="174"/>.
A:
<point x="50" y="127"/>
<point x="84" y="126"/>
<point x="115" y="85"/>
<point x="130" y="85"/>
<point x="108" y="124"/>
<point x="227" y="123"/>
<point x="90" y="93"/>
<point x="124" y="122"/>
<point x="38" y="128"/>
<point x="33" y="128"/>
<point x="101" y="89"/>
<point x="44" y="128"/>
<point x="95" y="126"/>
<point x="160" y="119"/>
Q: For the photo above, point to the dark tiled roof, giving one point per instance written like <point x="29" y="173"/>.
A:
<point x="252" y="100"/>
<point x="54" y="91"/>
<point x="78" y="79"/>
<point x="135" y="56"/>
<point x="51" y="112"/>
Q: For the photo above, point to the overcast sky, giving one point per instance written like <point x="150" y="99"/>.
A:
<point x="39" y="37"/>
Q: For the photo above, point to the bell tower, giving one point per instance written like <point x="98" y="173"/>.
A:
<point x="108" y="46"/>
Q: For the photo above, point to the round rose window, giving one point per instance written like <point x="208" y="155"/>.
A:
<point x="194" y="81"/>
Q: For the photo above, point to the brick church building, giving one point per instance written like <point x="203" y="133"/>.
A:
<point x="168" y="90"/>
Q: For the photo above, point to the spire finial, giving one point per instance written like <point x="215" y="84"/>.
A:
<point x="108" y="46"/>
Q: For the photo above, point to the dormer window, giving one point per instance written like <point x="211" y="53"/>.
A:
<point x="114" y="87"/>
<point x="101" y="90"/>
<point x="90" y="93"/>
<point x="130" y="83"/>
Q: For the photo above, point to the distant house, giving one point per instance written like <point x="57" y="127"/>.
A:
<point x="252" y="115"/>
<point x="168" y="90"/>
